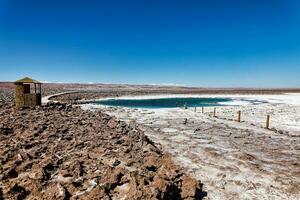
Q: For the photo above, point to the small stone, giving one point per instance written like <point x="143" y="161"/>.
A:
<point x="116" y="163"/>
<point x="112" y="123"/>
<point x="189" y="187"/>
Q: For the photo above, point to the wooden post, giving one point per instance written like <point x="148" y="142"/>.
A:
<point x="239" y="116"/>
<point x="268" y="122"/>
<point x="214" y="112"/>
<point x="185" y="121"/>
<point x="195" y="109"/>
<point x="202" y="109"/>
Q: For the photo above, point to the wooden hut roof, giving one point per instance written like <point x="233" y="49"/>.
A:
<point x="27" y="80"/>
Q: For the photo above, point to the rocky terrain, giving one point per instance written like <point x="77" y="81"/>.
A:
<point x="60" y="151"/>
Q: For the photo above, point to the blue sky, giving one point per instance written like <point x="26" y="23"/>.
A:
<point x="209" y="43"/>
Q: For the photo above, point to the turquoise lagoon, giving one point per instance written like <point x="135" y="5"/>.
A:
<point x="164" y="102"/>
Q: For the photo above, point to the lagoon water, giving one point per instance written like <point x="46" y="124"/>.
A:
<point x="164" y="102"/>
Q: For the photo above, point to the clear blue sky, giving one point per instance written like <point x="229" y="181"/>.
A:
<point x="216" y="43"/>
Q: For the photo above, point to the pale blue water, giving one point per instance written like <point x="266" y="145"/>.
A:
<point x="164" y="102"/>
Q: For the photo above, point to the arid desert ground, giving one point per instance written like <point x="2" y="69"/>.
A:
<point x="70" y="150"/>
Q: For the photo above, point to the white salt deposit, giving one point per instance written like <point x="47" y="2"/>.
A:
<point x="233" y="160"/>
<point x="289" y="98"/>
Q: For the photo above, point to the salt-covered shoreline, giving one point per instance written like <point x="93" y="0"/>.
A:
<point x="289" y="98"/>
<point x="284" y="108"/>
<point x="234" y="160"/>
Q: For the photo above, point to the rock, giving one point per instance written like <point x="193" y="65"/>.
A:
<point x="38" y="175"/>
<point x="189" y="187"/>
<point x="18" y="192"/>
<point x="280" y="131"/>
<point x="48" y="170"/>
<point x="97" y="193"/>
<point x="160" y="185"/>
<point x="1" y="194"/>
<point x="150" y="163"/>
<point x="78" y="182"/>
<point x="6" y="131"/>
<point x="166" y="190"/>
<point x="116" y="163"/>
<point x="76" y="169"/>
<point x="57" y="191"/>
<point x="11" y="174"/>
<point x="112" y="123"/>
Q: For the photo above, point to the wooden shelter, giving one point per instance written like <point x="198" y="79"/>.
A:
<point x="28" y="93"/>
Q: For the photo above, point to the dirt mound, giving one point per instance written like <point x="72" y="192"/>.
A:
<point x="62" y="152"/>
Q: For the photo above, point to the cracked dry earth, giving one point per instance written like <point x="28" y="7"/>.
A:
<point x="233" y="160"/>
<point x="59" y="151"/>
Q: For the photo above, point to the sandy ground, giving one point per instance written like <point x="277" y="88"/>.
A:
<point x="233" y="160"/>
